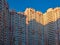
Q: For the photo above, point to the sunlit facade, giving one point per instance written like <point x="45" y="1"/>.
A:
<point x="34" y="20"/>
<point x="30" y="27"/>
<point x="43" y="29"/>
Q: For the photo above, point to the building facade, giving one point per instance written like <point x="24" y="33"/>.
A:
<point x="4" y="23"/>
<point x="29" y="28"/>
<point x="18" y="28"/>
<point x="34" y="20"/>
<point x="43" y="29"/>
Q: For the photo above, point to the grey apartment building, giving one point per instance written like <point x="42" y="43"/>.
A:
<point x="4" y="22"/>
<point x="18" y="28"/>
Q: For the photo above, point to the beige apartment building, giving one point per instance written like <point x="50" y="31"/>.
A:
<point x="43" y="29"/>
<point x="34" y="21"/>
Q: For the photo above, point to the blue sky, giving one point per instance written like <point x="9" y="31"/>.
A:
<point x="40" y="5"/>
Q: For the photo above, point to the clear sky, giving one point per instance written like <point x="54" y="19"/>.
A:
<point x="40" y="5"/>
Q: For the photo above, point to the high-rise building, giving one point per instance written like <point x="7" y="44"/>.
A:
<point x="35" y="28"/>
<point x="43" y="29"/>
<point x="30" y="27"/>
<point x="4" y="23"/>
<point x="12" y="25"/>
<point x="57" y="13"/>
<point x="22" y="28"/>
<point x="18" y="28"/>
<point x="51" y="27"/>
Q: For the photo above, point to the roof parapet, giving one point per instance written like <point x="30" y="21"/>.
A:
<point x="50" y="9"/>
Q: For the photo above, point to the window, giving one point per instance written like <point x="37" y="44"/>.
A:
<point x="0" y="7"/>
